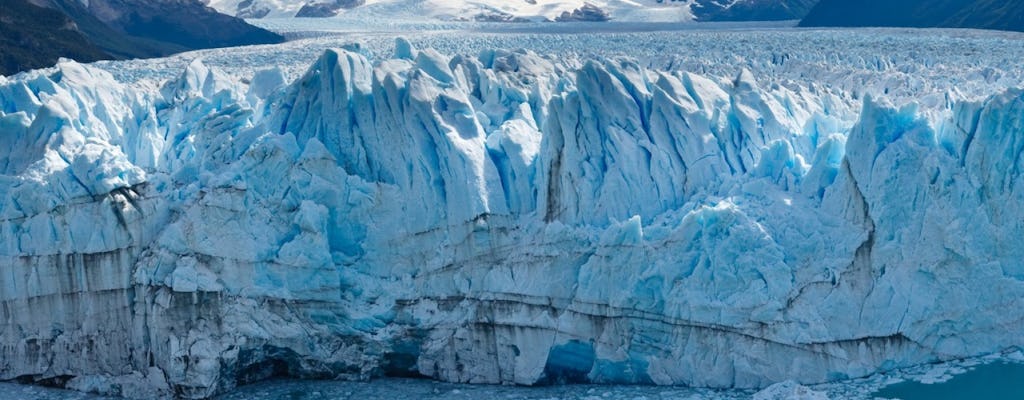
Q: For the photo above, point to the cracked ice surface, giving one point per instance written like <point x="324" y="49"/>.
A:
<point x="739" y="217"/>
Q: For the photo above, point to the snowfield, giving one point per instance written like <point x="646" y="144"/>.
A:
<point x="724" y="208"/>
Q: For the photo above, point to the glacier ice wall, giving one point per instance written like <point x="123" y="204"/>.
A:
<point x="506" y="218"/>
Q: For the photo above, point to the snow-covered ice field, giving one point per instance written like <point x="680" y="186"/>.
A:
<point x="711" y="205"/>
<point x="906" y="64"/>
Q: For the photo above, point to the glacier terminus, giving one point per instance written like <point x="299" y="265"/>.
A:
<point x="487" y="209"/>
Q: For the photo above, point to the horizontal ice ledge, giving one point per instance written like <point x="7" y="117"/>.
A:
<point x="506" y="218"/>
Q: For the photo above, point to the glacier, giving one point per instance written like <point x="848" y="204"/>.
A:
<point x="509" y="217"/>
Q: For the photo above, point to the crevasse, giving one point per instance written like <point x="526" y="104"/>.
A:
<point x="506" y="218"/>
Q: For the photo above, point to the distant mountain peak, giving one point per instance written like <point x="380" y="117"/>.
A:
<point x="517" y="10"/>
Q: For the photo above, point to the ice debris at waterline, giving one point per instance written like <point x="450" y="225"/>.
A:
<point x="507" y="218"/>
<point x="420" y="389"/>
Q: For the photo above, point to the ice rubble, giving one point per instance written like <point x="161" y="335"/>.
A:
<point x="789" y="390"/>
<point x="505" y="218"/>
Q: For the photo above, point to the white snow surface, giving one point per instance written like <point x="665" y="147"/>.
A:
<point x="710" y="212"/>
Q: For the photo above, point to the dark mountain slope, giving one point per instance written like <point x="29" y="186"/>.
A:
<point x="186" y="23"/>
<point x="981" y="14"/>
<point x="34" y="37"/>
<point x="114" y="41"/>
<point x="35" y="34"/>
<point x="1007" y="15"/>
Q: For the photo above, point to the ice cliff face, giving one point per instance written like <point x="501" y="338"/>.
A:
<point x="508" y="218"/>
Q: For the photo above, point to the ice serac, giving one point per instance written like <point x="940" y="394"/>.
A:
<point x="504" y="218"/>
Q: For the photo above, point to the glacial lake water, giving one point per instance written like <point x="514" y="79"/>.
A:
<point x="981" y="379"/>
<point x="408" y="389"/>
<point x="996" y="381"/>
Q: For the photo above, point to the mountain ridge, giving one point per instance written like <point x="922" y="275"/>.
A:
<point x="523" y="10"/>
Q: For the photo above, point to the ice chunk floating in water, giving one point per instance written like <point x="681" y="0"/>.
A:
<point x="506" y="218"/>
<point x="997" y="381"/>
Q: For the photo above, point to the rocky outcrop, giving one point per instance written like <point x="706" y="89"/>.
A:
<point x="587" y="13"/>
<point x="327" y="9"/>
<point x="751" y="10"/>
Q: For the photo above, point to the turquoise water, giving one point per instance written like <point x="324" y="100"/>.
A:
<point x="996" y="381"/>
<point x="981" y="379"/>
